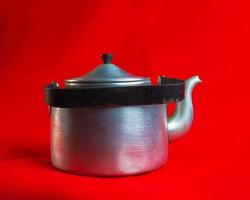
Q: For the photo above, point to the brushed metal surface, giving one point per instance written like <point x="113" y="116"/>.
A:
<point x="109" y="141"/>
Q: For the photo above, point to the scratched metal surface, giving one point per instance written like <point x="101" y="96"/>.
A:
<point x="109" y="141"/>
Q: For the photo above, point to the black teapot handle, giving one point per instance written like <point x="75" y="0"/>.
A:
<point x="168" y="89"/>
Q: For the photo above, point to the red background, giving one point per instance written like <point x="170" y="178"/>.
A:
<point x="46" y="40"/>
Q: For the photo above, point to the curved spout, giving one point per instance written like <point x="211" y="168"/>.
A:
<point x="180" y="122"/>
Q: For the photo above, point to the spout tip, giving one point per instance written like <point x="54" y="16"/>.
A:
<point x="192" y="81"/>
<point x="198" y="79"/>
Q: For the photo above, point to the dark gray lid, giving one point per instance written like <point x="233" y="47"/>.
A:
<point x="106" y="75"/>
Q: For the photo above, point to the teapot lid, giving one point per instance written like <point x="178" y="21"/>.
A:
<point x="106" y="75"/>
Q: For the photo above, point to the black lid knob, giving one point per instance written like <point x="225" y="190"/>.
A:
<point x="106" y="58"/>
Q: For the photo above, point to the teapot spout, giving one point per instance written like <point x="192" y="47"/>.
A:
<point x="179" y="123"/>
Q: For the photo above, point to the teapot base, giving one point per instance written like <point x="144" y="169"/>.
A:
<point x="118" y="174"/>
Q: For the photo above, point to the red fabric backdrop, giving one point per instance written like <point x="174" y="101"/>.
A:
<point x="46" y="40"/>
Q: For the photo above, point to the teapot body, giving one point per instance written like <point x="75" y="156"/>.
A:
<point x="109" y="140"/>
<point x="112" y="123"/>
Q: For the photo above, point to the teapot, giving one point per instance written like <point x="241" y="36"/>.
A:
<point x="112" y="123"/>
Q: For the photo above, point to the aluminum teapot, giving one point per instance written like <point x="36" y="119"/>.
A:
<point x="112" y="123"/>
